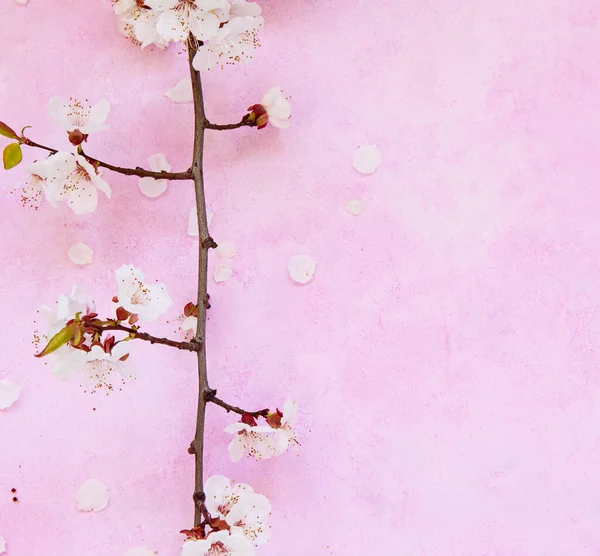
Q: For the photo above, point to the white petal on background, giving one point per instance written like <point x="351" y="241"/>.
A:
<point x="80" y="253"/>
<point x="140" y="551"/>
<point x="152" y="188"/>
<point x="9" y="393"/>
<point x="302" y="268"/>
<point x="355" y="207"/>
<point x="193" y="221"/>
<point x="222" y="273"/>
<point x="182" y="92"/>
<point x="226" y="249"/>
<point x="22" y="2"/>
<point x="92" y="496"/>
<point x="366" y="159"/>
<point x="158" y="163"/>
<point x="2" y="545"/>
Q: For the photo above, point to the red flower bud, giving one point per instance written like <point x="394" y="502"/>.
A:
<point x="76" y="137"/>
<point x="248" y="419"/>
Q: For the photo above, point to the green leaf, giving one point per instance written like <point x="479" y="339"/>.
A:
<point x="57" y="341"/>
<point x="7" y="131"/>
<point x="12" y="155"/>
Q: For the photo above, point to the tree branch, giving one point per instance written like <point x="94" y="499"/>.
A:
<point x="205" y="243"/>
<point x="211" y="396"/>
<point x="221" y="127"/>
<point x="125" y="171"/>
<point x="186" y="346"/>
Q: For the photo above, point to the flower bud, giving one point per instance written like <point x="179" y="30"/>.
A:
<point x="258" y="115"/>
<point x="76" y="137"/>
<point x="248" y="420"/>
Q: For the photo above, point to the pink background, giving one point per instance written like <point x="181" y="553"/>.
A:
<point x="446" y="355"/>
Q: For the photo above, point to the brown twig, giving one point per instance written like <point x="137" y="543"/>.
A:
<point x="221" y="127"/>
<point x="186" y="346"/>
<point x="205" y="243"/>
<point x="140" y="172"/>
<point x="211" y="397"/>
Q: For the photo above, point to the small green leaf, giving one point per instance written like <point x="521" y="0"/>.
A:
<point x="7" y="131"/>
<point x="57" y="341"/>
<point x="12" y="155"/>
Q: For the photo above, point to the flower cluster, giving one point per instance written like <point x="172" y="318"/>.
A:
<point x="264" y="441"/>
<point x="237" y="517"/>
<point x="77" y="343"/>
<point x="224" y="31"/>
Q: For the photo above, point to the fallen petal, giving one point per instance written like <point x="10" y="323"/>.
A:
<point x="182" y="92"/>
<point x="9" y="393"/>
<point x="355" y="207"/>
<point x="226" y="249"/>
<point x="80" y="253"/>
<point x="366" y="159"/>
<point x="152" y="188"/>
<point x="222" y="273"/>
<point x="2" y="545"/>
<point x="22" y="2"/>
<point x="92" y="496"/>
<point x="302" y="268"/>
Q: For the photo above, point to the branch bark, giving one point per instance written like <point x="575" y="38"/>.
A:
<point x="205" y="243"/>
<point x="186" y="346"/>
<point x="221" y="127"/>
<point x="140" y="172"/>
<point x="212" y="398"/>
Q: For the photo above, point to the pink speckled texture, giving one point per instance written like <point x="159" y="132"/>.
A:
<point x="446" y="355"/>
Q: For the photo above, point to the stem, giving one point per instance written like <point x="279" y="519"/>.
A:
<point x="232" y="408"/>
<point x="243" y="123"/>
<point x="186" y="346"/>
<point x="126" y="171"/>
<point x="205" y="243"/>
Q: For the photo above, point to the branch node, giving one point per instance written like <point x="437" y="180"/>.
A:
<point x="192" y="448"/>
<point x="199" y="497"/>
<point x="209" y="394"/>
<point x="209" y="243"/>
<point x="206" y="301"/>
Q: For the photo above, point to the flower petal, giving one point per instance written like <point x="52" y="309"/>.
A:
<point x="237" y="448"/>
<point x="98" y="114"/>
<point x="302" y="268"/>
<point x="92" y="496"/>
<point x="9" y="393"/>
<point x="152" y="188"/>
<point x="222" y="273"/>
<point x="2" y="545"/>
<point x="84" y="199"/>
<point x="355" y="207"/>
<point x="366" y="159"/>
<point x="226" y="249"/>
<point x="80" y="253"/>
<point x="159" y="163"/>
<point x="182" y="92"/>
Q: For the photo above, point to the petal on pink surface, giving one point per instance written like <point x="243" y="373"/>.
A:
<point x="80" y="253"/>
<point x="302" y="268"/>
<point x="226" y="249"/>
<point x="152" y="188"/>
<point x="222" y="273"/>
<point x="92" y="496"/>
<point x="355" y="207"/>
<point x="366" y="159"/>
<point x="2" y="545"/>
<point x="182" y="92"/>
<point x="9" y="393"/>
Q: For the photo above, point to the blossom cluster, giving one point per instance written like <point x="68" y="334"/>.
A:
<point x="224" y="31"/>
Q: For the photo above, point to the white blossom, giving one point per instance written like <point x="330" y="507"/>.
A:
<point x="66" y="307"/>
<point x="9" y="393"/>
<point x="79" y="116"/>
<point x="138" y="22"/>
<point x="284" y="434"/>
<point x="245" y="511"/>
<point x="92" y="496"/>
<point x="34" y="187"/>
<point x="71" y="178"/>
<point x="137" y="297"/>
<point x="254" y="441"/>
<point x="220" y="543"/>
<point x="152" y="187"/>
<point x="278" y="108"/>
<point x="233" y="43"/>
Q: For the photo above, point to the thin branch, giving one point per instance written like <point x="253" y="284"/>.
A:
<point x="125" y="171"/>
<point x="232" y="408"/>
<point x="186" y="346"/>
<point x="205" y="243"/>
<point x="221" y="127"/>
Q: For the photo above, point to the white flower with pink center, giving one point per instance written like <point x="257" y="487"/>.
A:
<point x="220" y="543"/>
<point x="147" y="301"/>
<point x="253" y="441"/>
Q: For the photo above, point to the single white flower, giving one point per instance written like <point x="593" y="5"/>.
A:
<point x="9" y="393"/>
<point x="101" y="366"/>
<point x="278" y="108"/>
<point x="34" y="187"/>
<point x="245" y="511"/>
<point x="180" y="17"/>
<point x="284" y="433"/>
<point x="150" y="186"/>
<point x="92" y="496"/>
<point x="220" y="543"/>
<point x="140" y="551"/>
<point x="139" y="298"/>
<point x="71" y="178"/>
<point x="302" y="268"/>
<point x="255" y="442"/>
<point x="79" y="116"/>
<point x="233" y="43"/>
<point x="80" y="253"/>
<point x="182" y="92"/>
<point x="366" y="159"/>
